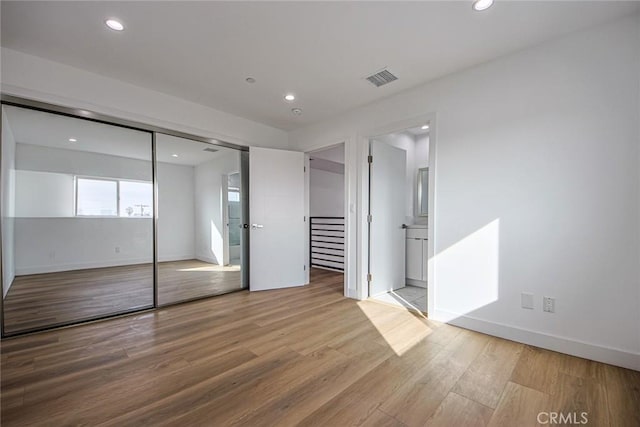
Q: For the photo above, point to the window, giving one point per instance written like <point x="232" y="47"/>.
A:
<point x="96" y="197"/>
<point x="116" y="198"/>
<point x="136" y="199"/>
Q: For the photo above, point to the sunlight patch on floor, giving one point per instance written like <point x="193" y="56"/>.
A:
<point x="410" y="297"/>
<point x="401" y="334"/>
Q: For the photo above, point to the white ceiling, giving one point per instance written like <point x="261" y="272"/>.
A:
<point x="418" y="131"/>
<point x="53" y="130"/>
<point x="190" y="153"/>
<point x="321" y="51"/>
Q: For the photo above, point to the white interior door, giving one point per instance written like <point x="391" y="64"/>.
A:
<point x="388" y="175"/>
<point x="276" y="194"/>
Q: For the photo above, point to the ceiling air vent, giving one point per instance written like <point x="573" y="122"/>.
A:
<point x="381" y="78"/>
<point x="210" y="150"/>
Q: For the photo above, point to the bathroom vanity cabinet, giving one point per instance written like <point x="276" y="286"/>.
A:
<point x="416" y="255"/>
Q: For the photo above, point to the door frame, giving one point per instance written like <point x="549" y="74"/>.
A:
<point x="363" y="143"/>
<point x="349" y="215"/>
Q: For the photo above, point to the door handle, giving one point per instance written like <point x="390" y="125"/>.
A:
<point x="256" y="226"/>
<point x="405" y="226"/>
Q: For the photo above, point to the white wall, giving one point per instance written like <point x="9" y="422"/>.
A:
<point x="209" y="223"/>
<point x="74" y="162"/>
<point x="59" y="244"/>
<point x="422" y="151"/>
<point x="44" y="194"/>
<point x="49" y="238"/>
<point x="537" y="190"/>
<point x="8" y="200"/>
<point x="37" y="78"/>
<point x="176" y="212"/>
<point x="421" y="160"/>
<point x="326" y="193"/>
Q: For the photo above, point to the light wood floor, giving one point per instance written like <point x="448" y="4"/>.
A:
<point x="42" y="300"/>
<point x="300" y="356"/>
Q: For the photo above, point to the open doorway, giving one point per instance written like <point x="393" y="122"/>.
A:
<point x="327" y="239"/>
<point x="233" y="219"/>
<point x="398" y="213"/>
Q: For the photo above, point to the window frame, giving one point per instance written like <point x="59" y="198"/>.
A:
<point x="77" y="178"/>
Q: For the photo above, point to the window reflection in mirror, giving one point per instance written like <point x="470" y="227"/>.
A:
<point x="77" y="219"/>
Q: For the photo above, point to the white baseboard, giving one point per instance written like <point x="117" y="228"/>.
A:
<point x="210" y="260"/>
<point x="352" y="293"/>
<point x="335" y="270"/>
<point x="168" y="258"/>
<point x="585" y="350"/>
<point x="41" y="269"/>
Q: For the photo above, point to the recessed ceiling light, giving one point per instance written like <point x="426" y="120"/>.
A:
<point x="250" y="80"/>
<point x="289" y="97"/>
<point x="174" y="155"/>
<point x="425" y="127"/>
<point x="296" y="111"/>
<point x="480" y="5"/>
<point x="114" y="24"/>
<point x="73" y="140"/>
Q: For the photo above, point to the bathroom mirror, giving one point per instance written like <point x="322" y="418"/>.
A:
<point x="423" y="192"/>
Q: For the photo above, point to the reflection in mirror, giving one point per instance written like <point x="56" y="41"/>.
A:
<point x="77" y="220"/>
<point x="423" y="192"/>
<point x="199" y="219"/>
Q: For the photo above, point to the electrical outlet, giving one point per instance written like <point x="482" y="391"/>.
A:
<point x="549" y="304"/>
<point x="117" y="249"/>
<point x="526" y="300"/>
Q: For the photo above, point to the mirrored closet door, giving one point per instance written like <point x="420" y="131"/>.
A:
<point x="200" y="219"/>
<point x="77" y="220"/>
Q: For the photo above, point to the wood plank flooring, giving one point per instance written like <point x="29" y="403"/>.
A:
<point x="298" y="356"/>
<point x="40" y="300"/>
<point x="184" y="280"/>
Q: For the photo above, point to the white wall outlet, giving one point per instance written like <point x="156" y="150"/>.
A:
<point x="549" y="304"/>
<point x="117" y="249"/>
<point x="526" y="300"/>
